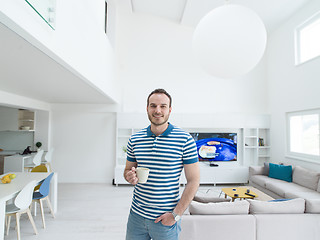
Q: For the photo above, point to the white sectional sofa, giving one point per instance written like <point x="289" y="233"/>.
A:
<point x="297" y="218"/>
<point x="305" y="183"/>
<point x="256" y="220"/>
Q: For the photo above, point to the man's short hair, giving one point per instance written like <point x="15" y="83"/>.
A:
<point x="162" y="91"/>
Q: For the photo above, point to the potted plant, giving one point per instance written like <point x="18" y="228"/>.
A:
<point x="124" y="150"/>
<point x="38" y="145"/>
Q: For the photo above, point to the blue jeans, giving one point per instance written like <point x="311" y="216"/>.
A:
<point x="140" y="228"/>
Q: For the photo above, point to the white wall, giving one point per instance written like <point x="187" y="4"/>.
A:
<point x="42" y="126"/>
<point x="83" y="137"/>
<point x="78" y="43"/>
<point x="292" y="88"/>
<point x="153" y="52"/>
<point x="84" y="140"/>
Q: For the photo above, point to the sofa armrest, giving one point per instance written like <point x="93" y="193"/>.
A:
<point x="256" y="170"/>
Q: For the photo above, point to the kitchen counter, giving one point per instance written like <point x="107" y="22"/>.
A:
<point x="8" y="153"/>
<point x="15" y="163"/>
<point x="5" y="154"/>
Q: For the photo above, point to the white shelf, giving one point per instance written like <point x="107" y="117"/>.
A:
<point x="254" y="154"/>
<point x="26" y="119"/>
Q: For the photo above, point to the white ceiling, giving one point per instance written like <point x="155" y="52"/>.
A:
<point x="26" y="71"/>
<point x="189" y="12"/>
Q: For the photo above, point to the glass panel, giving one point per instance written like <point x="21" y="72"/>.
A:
<point x="309" y="39"/>
<point x="304" y="134"/>
<point x="45" y="9"/>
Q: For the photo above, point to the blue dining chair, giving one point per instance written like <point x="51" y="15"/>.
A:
<point x="41" y="195"/>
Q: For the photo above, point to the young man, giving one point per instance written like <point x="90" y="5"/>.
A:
<point x="164" y="149"/>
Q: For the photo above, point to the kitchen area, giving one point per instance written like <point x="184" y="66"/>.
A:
<point x="20" y="128"/>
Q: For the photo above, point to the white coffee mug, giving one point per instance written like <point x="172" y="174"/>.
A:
<point x="142" y="174"/>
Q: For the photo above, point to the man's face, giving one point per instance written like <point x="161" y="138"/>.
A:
<point x="158" y="109"/>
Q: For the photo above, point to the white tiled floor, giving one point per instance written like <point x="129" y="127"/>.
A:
<point x="87" y="211"/>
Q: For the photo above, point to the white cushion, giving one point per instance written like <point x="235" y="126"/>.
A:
<point x="260" y="180"/>
<point x="305" y="177"/>
<point x="238" y="207"/>
<point x="290" y="206"/>
<point x="256" y="170"/>
<point x="277" y="186"/>
<point x="305" y="195"/>
<point x="282" y="188"/>
<point x="208" y="199"/>
<point x="312" y="205"/>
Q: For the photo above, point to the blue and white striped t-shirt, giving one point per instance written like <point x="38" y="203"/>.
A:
<point x="164" y="155"/>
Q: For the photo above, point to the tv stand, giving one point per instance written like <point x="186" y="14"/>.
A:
<point x="225" y="173"/>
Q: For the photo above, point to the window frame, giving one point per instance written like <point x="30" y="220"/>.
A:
<point x="297" y="44"/>
<point x="296" y="155"/>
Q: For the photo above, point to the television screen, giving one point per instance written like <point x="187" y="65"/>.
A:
<point x="216" y="146"/>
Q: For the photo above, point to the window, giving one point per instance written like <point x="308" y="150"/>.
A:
<point x="307" y="37"/>
<point x="303" y="135"/>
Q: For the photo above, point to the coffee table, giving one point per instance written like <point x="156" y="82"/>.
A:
<point x="240" y="191"/>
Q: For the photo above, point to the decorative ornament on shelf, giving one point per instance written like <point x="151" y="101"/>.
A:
<point x="261" y="142"/>
<point x="38" y="145"/>
<point x="229" y="41"/>
<point x="124" y="151"/>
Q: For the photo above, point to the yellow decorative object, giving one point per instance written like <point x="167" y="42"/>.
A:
<point x="7" y="178"/>
<point x="12" y="176"/>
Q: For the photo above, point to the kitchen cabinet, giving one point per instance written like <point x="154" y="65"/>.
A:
<point x="8" y="119"/>
<point x="26" y="120"/>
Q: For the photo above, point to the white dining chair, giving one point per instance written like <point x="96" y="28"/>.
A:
<point x="48" y="159"/>
<point x="19" y="206"/>
<point x="36" y="161"/>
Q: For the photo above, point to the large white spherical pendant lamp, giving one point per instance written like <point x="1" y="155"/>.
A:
<point x="229" y="41"/>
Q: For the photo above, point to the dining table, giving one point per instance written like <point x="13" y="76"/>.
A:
<point x="8" y="191"/>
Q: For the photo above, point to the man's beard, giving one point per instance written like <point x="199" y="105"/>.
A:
<point x="165" y="120"/>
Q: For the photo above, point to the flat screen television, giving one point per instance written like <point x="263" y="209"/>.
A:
<point x="216" y="146"/>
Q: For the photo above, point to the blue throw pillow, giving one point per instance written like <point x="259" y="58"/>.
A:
<point x="279" y="200"/>
<point x="281" y="172"/>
